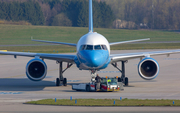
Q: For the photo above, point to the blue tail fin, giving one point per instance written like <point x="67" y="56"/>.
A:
<point x="90" y="16"/>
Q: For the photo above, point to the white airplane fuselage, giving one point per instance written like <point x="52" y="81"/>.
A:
<point x="93" y="52"/>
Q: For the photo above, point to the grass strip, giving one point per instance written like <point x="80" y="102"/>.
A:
<point x="106" y="102"/>
<point x="41" y="49"/>
<point x="21" y="34"/>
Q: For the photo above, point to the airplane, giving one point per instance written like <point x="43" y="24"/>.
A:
<point x="93" y="53"/>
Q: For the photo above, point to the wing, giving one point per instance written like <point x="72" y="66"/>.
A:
<point x="57" y="57"/>
<point x="130" y="41"/>
<point x="52" y="42"/>
<point x="128" y="56"/>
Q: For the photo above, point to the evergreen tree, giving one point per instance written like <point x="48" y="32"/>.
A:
<point x="29" y="11"/>
<point x="4" y="11"/>
<point x="82" y="16"/>
<point x="52" y="3"/>
<point x="77" y="12"/>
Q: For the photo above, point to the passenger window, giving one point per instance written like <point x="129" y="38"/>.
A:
<point x="89" y="47"/>
<point x="97" y="47"/>
<point x="104" y="47"/>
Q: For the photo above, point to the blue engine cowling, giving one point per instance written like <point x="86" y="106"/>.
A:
<point x="36" y="69"/>
<point x="148" y="68"/>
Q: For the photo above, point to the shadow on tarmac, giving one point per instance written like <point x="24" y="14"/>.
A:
<point x="143" y="81"/>
<point x="23" y="84"/>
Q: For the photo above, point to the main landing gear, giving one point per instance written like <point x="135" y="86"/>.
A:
<point x="123" y="78"/>
<point x="61" y="79"/>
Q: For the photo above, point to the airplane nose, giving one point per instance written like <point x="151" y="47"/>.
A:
<point x="95" y="59"/>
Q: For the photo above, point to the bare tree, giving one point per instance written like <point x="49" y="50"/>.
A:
<point x="61" y="20"/>
<point x="46" y="12"/>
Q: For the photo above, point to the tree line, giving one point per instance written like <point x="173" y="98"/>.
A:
<point x="16" y="11"/>
<point x="78" y="12"/>
<point x="75" y="13"/>
<point x="56" y="12"/>
<point x="156" y="14"/>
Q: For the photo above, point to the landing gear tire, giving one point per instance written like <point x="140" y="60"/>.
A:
<point x="57" y="82"/>
<point x="65" y="82"/>
<point x="126" y="82"/>
<point x="88" y="88"/>
<point x="119" y="79"/>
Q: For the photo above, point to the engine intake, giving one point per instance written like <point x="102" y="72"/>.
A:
<point x="148" y="68"/>
<point x="36" y="69"/>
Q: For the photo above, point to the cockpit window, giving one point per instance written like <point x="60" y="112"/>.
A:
<point x="104" y="47"/>
<point x="82" y="47"/>
<point x="89" y="47"/>
<point x="97" y="47"/>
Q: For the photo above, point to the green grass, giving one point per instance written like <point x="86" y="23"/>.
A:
<point x="106" y="102"/>
<point x="21" y="34"/>
<point x="147" y="46"/>
<point x="41" y="49"/>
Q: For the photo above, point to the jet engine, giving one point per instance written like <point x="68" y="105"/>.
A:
<point x="36" y="69"/>
<point x="148" y="68"/>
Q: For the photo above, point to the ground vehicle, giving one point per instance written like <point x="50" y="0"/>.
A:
<point x="106" y="84"/>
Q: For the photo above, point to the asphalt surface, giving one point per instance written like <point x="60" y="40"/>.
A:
<point x="16" y="88"/>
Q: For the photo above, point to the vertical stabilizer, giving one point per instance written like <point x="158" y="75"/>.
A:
<point x="90" y="16"/>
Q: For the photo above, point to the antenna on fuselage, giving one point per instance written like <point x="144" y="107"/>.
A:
<point x="90" y="16"/>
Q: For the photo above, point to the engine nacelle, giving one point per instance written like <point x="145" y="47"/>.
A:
<point x="148" y="68"/>
<point x="36" y="69"/>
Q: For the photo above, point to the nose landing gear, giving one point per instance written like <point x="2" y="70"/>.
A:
<point x="93" y="75"/>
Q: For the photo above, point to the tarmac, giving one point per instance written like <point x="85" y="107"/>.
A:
<point x="16" y="88"/>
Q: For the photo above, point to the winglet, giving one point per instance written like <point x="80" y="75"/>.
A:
<point x="90" y="16"/>
<point x="31" y="38"/>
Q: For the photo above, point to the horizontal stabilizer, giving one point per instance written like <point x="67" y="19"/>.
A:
<point x="52" y="42"/>
<point x="130" y="41"/>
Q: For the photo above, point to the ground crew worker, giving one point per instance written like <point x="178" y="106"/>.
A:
<point x="98" y="80"/>
<point x="109" y="80"/>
